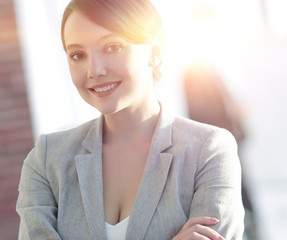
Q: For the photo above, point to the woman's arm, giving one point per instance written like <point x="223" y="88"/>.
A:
<point x="218" y="185"/>
<point x="36" y="204"/>
<point x="217" y="192"/>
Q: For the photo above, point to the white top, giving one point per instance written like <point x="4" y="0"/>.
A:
<point x="118" y="231"/>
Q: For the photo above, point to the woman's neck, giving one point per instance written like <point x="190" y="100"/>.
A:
<point x="131" y="126"/>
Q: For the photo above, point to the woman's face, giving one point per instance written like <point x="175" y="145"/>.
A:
<point x="110" y="73"/>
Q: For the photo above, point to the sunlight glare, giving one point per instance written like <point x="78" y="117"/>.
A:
<point x="205" y="31"/>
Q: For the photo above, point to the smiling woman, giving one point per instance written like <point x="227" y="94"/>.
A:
<point x="109" y="72"/>
<point x="137" y="167"/>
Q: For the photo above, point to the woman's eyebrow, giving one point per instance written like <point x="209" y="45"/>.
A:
<point x="74" y="45"/>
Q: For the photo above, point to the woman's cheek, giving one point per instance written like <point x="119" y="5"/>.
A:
<point x="77" y="75"/>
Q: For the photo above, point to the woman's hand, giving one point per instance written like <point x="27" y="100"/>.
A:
<point x="196" y="229"/>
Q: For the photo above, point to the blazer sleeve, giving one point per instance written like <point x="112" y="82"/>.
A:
<point x="218" y="185"/>
<point x="36" y="204"/>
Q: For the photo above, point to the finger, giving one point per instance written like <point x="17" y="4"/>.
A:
<point x="198" y="231"/>
<point x="199" y="220"/>
<point x="193" y="236"/>
<point x="204" y="231"/>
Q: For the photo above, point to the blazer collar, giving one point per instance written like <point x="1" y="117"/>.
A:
<point x="89" y="169"/>
<point x="162" y="137"/>
<point x="153" y="180"/>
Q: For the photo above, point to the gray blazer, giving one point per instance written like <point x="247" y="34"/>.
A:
<point x="192" y="170"/>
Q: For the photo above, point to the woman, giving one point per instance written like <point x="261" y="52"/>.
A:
<point x="136" y="172"/>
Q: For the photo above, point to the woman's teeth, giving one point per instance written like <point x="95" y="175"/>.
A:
<point x="106" y="88"/>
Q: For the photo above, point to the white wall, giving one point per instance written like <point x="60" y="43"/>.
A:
<point x="265" y="79"/>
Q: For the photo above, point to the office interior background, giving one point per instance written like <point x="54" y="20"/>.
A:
<point x="244" y="41"/>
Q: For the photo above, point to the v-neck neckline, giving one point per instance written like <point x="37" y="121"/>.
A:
<point x="119" y="223"/>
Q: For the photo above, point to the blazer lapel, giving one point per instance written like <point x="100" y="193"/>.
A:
<point x="153" y="180"/>
<point x="89" y="169"/>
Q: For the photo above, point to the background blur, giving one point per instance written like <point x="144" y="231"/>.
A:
<point x="241" y="43"/>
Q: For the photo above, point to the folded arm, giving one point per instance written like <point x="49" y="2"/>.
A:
<point x="36" y="204"/>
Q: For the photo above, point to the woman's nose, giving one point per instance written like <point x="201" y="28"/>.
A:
<point x="97" y="68"/>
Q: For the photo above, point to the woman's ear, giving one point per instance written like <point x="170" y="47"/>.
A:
<point x="156" y="53"/>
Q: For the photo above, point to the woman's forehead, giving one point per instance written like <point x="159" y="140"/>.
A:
<point x="80" y="27"/>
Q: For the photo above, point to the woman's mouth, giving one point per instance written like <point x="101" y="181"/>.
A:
<point x="106" y="88"/>
<point x="103" y="90"/>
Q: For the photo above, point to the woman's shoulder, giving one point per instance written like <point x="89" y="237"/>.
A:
<point x="185" y="125"/>
<point x="200" y="133"/>
<point x="76" y="133"/>
<point x="59" y="148"/>
<point x="69" y="141"/>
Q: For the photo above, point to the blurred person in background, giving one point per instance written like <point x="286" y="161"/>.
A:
<point x="209" y="101"/>
<point x="136" y="172"/>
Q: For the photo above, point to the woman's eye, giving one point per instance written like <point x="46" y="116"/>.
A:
<point x="114" y="48"/>
<point x="76" y="56"/>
